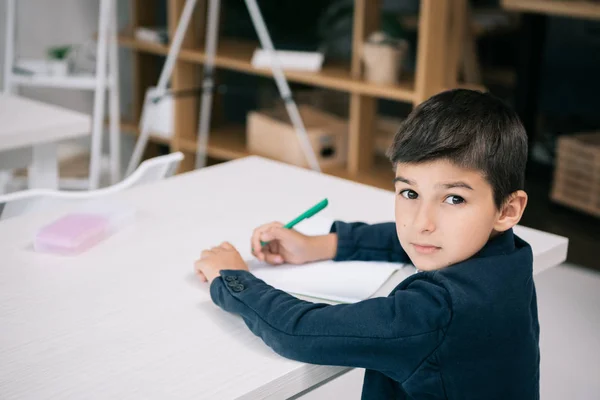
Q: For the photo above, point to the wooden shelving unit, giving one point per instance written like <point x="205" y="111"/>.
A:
<point x="226" y="143"/>
<point x="436" y="71"/>
<point x="565" y="8"/>
<point x="379" y="174"/>
<point x="236" y="56"/>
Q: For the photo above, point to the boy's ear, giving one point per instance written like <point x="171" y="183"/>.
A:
<point x="512" y="211"/>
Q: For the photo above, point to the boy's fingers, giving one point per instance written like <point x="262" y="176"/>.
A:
<point x="273" y="247"/>
<point x="265" y="237"/>
<point x="201" y="276"/>
<point x="269" y="235"/>
<point x="257" y="248"/>
<point x="198" y="265"/>
<point x="255" y="243"/>
<point x="206" y="253"/>
<point x="267" y="227"/>
<point x="258" y="254"/>
<point x="274" y="259"/>
<point x="227" y="246"/>
<point x="270" y="225"/>
<point x="276" y="233"/>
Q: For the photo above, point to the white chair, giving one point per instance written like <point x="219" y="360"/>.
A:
<point x="19" y="203"/>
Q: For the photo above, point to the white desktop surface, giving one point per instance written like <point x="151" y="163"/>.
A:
<point x="128" y="319"/>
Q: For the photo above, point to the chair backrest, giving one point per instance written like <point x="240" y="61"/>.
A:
<point x="19" y="203"/>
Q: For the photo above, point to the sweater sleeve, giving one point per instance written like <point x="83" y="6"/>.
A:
<point x="363" y="242"/>
<point x="389" y="334"/>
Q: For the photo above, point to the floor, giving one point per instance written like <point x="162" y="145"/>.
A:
<point x="568" y="299"/>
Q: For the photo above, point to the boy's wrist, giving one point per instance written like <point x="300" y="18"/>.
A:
<point x="322" y="247"/>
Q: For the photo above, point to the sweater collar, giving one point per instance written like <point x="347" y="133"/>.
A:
<point x="503" y="243"/>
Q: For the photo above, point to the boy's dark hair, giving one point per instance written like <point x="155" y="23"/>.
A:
<point x="471" y="129"/>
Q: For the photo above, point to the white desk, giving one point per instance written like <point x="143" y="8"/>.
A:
<point x="29" y="133"/>
<point x="128" y="319"/>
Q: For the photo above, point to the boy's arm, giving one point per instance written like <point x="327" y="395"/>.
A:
<point x="390" y="334"/>
<point x="364" y="242"/>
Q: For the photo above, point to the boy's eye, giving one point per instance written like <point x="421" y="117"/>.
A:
<point x="409" y="194"/>
<point x="454" y="200"/>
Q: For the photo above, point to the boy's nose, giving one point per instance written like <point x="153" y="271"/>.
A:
<point x="425" y="219"/>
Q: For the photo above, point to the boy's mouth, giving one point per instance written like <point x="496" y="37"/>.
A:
<point x="425" y="248"/>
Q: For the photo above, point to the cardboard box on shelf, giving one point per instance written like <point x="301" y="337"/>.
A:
<point x="271" y="134"/>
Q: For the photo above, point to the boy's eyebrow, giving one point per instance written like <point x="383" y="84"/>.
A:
<point x="402" y="179"/>
<point x="449" y="185"/>
<point x="452" y="185"/>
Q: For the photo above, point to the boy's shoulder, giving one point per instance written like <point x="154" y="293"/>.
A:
<point x="504" y="254"/>
<point x="494" y="288"/>
<point x="502" y="266"/>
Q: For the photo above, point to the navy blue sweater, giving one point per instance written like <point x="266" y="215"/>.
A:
<point x="468" y="331"/>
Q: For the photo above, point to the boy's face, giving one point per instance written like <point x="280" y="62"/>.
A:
<point x="444" y="213"/>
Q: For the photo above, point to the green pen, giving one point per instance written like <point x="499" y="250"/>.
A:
<point x="307" y="214"/>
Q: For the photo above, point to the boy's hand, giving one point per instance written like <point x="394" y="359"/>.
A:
<point x="218" y="258"/>
<point x="290" y="246"/>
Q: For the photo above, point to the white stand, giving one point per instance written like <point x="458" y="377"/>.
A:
<point x="106" y="52"/>
<point x="43" y="173"/>
<point x="208" y="84"/>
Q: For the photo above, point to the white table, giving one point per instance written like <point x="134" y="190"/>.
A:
<point x="29" y="133"/>
<point x="129" y="320"/>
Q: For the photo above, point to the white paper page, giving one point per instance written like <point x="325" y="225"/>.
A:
<point x="346" y="282"/>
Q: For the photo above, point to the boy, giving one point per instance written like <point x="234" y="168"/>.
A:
<point x="465" y="326"/>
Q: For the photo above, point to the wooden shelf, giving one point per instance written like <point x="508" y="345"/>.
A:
<point x="480" y="24"/>
<point x="570" y="8"/>
<point x="226" y="143"/>
<point x="229" y="143"/>
<point x="236" y="56"/>
<point x="379" y="175"/>
<point x="432" y="75"/>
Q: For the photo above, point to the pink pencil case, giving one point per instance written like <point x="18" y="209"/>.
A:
<point x="77" y="232"/>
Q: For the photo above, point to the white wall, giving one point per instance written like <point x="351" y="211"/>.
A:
<point x="41" y="24"/>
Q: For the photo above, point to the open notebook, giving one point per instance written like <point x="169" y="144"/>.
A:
<point x="344" y="282"/>
<point x="349" y="282"/>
